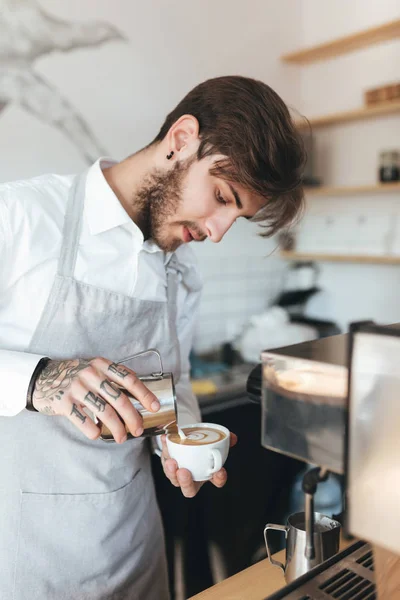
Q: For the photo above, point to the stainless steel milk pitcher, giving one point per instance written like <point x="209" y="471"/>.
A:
<point x="162" y="386"/>
<point x="326" y="543"/>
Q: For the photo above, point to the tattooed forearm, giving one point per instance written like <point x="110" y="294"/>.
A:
<point x="95" y="401"/>
<point x="110" y="389"/>
<point x="118" y="370"/>
<point x="76" y="412"/>
<point x="56" y="377"/>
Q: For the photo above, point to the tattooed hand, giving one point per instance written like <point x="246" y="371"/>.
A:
<point x="66" y="387"/>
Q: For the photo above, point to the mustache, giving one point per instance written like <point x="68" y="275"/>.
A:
<point x="196" y="230"/>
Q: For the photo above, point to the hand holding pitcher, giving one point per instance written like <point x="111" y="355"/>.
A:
<point x="69" y="387"/>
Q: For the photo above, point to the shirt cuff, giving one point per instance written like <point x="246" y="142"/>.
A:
<point x="16" y="370"/>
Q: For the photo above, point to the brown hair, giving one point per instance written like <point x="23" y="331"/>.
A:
<point x="246" y="121"/>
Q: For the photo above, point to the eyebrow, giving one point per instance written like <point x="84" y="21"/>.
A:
<point x="238" y="200"/>
<point x="236" y="196"/>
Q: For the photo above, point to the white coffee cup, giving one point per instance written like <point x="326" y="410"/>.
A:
<point x="203" y="453"/>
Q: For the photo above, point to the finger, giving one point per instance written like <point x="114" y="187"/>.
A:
<point x="78" y="418"/>
<point x="189" y="487"/>
<point x="115" y="396"/>
<point x="170" y="465"/>
<point x="170" y="469"/>
<point x="105" y="412"/>
<point x="165" y="452"/>
<point x="233" y="439"/>
<point x="219" y="478"/>
<point x="128" y="379"/>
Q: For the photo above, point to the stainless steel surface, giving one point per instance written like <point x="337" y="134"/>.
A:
<point x="275" y="527"/>
<point x="330" y="350"/>
<point x="309" y="514"/>
<point x="304" y="400"/>
<point x="373" y="482"/>
<point x="325" y="542"/>
<point x="309" y="507"/>
<point x="304" y="407"/>
<point x="350" y="578"/>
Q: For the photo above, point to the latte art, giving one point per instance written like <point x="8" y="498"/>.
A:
<point x="197" y="436"/>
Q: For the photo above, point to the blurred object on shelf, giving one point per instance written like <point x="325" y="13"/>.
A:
<point x="300" y="286"/>
<point x="286" y="240"/>
<point x="205" y="366"/>
<point x="389" y="166"/>
<point x="309" y="177"/>
<point x="271" y="329"/>
<point x="384" y="93"/>
<point x="301" y="276"/>
<point x="201" y="387"/>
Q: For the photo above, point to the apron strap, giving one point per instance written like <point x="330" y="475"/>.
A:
<point x="173" y="277"/>
<point x="72" y="227"/>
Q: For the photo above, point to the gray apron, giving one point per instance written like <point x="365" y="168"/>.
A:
<point x="79" y="518"/>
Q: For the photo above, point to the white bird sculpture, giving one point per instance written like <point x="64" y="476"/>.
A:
<point x="27" y="33"/>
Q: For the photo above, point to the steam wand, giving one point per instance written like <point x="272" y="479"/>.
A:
<point x="310" y="482"/>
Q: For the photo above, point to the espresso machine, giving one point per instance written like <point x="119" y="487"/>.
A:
<point x="334" y="403"/>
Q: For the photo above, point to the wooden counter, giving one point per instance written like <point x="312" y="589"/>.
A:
<point x="255" y="583"/>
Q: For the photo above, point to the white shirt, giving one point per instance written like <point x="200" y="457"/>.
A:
<point x="112" y="254"/>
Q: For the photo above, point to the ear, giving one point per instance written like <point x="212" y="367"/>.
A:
<point x="183" y="136"/>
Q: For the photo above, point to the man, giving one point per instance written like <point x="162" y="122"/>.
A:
<point x="94" y="269"/>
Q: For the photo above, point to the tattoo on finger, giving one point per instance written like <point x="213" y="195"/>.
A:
<point x="118" y="370"/>
<point x="111" y="390"/>
<point x="77" y="413"/>
<point x="96" y="401"/>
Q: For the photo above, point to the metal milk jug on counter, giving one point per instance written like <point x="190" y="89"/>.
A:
<point x="311" y="537"/>
<point x="162" y="386"/>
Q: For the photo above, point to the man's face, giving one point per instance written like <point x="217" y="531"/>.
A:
<point x="188" y="203"/>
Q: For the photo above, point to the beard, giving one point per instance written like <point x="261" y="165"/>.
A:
<point x="158" y="200"/>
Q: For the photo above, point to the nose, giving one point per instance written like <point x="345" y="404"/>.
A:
<point x="217" y="227"/>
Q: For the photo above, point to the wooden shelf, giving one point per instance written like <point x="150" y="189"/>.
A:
<point x="385" y="108"/>
<point x="346" y="44"/>
<point x="348" y="258"/>
<point x="353" y="190"/>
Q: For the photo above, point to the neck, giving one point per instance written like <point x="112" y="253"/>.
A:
<point x="127" y="177"/>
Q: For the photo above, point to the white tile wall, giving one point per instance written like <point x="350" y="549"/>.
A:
<point x="242" y="277"/>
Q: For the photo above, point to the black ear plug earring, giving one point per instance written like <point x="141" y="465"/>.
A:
<point x="170" y="155"/>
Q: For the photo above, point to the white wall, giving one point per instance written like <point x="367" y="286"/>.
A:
<point x="348" y="155"/>
<point x="124" y="90"/>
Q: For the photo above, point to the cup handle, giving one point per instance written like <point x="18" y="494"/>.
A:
<point x="284" y="528"/>
<point x="216" y="454"/>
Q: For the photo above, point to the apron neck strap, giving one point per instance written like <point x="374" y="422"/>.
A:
<point x="72" y="227"/>
<point x="173" y="277"/>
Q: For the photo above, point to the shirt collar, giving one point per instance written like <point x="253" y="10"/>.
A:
<point x="104" y="211"/>
<point x="102" y="208"/>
